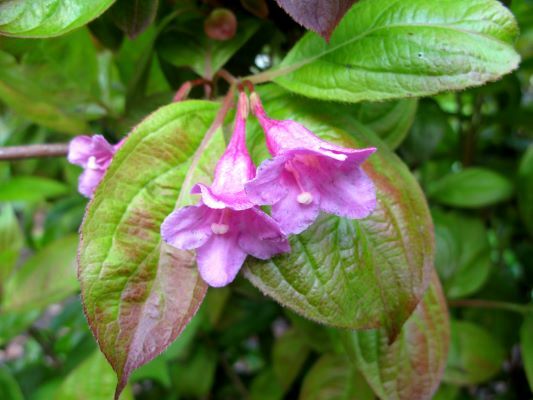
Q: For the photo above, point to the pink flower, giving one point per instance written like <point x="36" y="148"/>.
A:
<point x="94" y="154"/>
<point x="308" y="174"/>
<point x="225" y="226"/>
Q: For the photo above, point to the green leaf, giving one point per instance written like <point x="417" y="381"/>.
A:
<point x="9" y="388"/>
<point x="187" y="48"/>
<point x="463" y="253"/>
<point x="14" y="323"/>
<point x="429" y="128"/>
<point x="315" y="336"/>
<point x="195" y="376"/>
<point x="45" y="18"/>
<point x="63" y="217"/>
<point x="390" y="120"/>
<point x="410" y="368"/>
<point x="112" y="91"/>
<point x="134" y="16"/>
<point x="446" y="392"/>
<point x="94" y="379"/>
<point x="526" y="345"/>
<point x="31" y="188"/>
<point x="334" y="378"/>
<point x="383" y="50"/>
<point x="351" y="273"/>
<point x="141" y="70"/>
<point x="475" y="356"/>
<point x="11" y="241"/>
<point x="525" y="189"/>
<point x="42" y="81"/>
<point x="288" y="357"/>
<point x="214" y="303"/>
<point x="471" y="188"/>
<point x="265" y="386"/>
<point x="47" y="277"/>
<point x="138" y="293"/>
<point x="156" y="370"/>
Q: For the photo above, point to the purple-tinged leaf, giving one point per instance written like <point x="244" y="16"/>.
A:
<point x="134" y="16"/>
<point x="411" y="368"/>
<point x="321" y="16"/>
<point x="138" y="293"/>
<point x="356" y="274"/>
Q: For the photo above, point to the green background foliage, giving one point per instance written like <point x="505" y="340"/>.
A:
<point x="378" y="311"/>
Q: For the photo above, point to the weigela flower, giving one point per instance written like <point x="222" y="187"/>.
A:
<point x="94" y="154"/>
<point x="307" y="175"/>
<point x="225" y="226"/>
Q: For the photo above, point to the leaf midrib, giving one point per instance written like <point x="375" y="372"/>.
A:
<point x="293" y="67"/>
<point x="137" y="194"/>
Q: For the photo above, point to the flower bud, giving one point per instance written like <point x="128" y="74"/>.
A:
<point x="221" y="24"/>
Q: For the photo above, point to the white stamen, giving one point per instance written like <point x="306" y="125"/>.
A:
<point x="305" y="198"/>
<point x="219" y="229"/>
<point x="91" y="163"/>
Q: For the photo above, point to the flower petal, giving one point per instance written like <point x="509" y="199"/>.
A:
<point x="119" y="144"/>
<point x="235" y="201"/>
<point x="89" y="180"/>
<point x="287" y="134"/>
<point x="346" y="191"/>
<point x="291" y="215"/>
<point x="82" y="148"/>
<point x="220" y="259"/>
<point x="188" y="227"/>
<point x="79" y="150"/>
<point x="233" y="170"/>
<point x="265" y="188"/>
<point x="260" y="235"/>
<point x="357" y="156"/>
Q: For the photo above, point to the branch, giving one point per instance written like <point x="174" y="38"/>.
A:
<point x="33" y="151"/>
<point x="490" y="304"/>
<point x="217" y="123"/>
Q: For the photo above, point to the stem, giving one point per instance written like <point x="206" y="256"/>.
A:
<point x="217" y="122"/>
<point x="491" y="304"/>
<point x="184" y="90"/>
<point x="269" y="75"/>
<point x="33" y="151"/>
<point x="228" y="77"/>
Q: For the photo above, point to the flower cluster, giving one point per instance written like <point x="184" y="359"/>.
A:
<point x="305" y="175"/>
<point x="94" y="154"/>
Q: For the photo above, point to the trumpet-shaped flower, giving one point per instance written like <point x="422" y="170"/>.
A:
<point x="307" y="175"/>
<point x="225" y="226"/>
<point x="94" y="154"/>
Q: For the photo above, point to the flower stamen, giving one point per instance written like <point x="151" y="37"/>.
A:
<point x="221" y="227"/>
<point x="91" y="163"/>
<point x="304" y="197"/>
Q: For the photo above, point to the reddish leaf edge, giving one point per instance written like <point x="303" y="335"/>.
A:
<point x="123" y="376"/>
